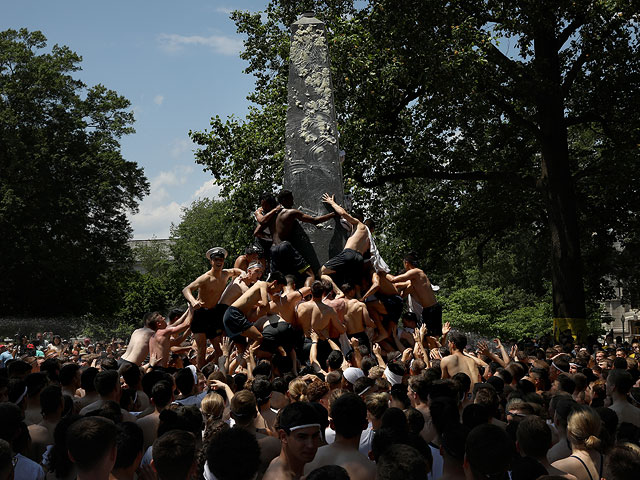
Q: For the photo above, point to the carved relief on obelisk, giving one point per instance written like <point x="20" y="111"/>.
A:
<point x="312" y="162"/>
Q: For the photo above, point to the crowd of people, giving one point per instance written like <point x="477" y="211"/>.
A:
<point x="274" y="372"/>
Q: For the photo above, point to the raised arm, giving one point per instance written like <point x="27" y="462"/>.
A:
<point x="407" y="276"/>
<point x="234" y="272"/>
<point x="188" y="292"/>
<point x="375" y="285"/>
<point x="264" y="218"/>
<point x="303" y="217"/>
<point x="330" y="199"/>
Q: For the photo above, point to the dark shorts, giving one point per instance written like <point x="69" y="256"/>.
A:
<point x="279" y="334"/>
<point x="324" y="349"/>
<point x="432" y="318"/>
<point x="122" y="363"/>
<point x="393" y="304"/>
<point x="209" y="320"/>
<point x="286" y="260"/>
<point x="362" y="337"/>
<point x="347" y="266"/>
<point x="235" y="322"/>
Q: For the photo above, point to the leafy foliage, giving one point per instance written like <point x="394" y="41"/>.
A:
<point x="64" y="186"/>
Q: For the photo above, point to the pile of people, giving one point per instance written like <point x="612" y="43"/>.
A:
<point x="333" y="377"/>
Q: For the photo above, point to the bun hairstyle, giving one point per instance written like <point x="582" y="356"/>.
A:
<point x="583" y="428"/>
<point x="297" y="390"/>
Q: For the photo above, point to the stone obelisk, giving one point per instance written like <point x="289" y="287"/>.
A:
<point x="312" y="161"/>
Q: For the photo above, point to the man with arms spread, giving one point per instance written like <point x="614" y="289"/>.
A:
<point x="285" y="258"/>
<point x="207" y="318"/>
<point x="458" y="362"/>
<point x="347" y="265"/>
<point x="138" y="347"/>
<point x="160" y="343"/>
<point x="299" y="434"/>
<point x="318" y="316"/>
<point x="414" y="282"/>
<point x="236" y="323"/>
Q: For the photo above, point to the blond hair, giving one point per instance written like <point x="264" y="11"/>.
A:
<point x="212" y="405"/>
<point x="297" y="390"/>
<point x="583" y="428"/>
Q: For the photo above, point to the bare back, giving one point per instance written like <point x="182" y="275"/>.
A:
<point x="283" y="225"/>
<point x="138" y="347"/>
<point x="317" y="316"/>
<point x="386" y="287"/>
<point x="459" y="363"/>
<point x="285" y="306"/>
<point x="421" y="288"/>
<point x="356" y="464"/>
<point x="233" y="291"/>
<point x="359" y="241"/>
<point x="354" y="317"/>
<point x="251" y="298"/>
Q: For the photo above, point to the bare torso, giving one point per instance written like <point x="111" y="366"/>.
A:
<point x="211" y="285"/>
<point x="353" y="317"/>
<point x="138" y="347"/>
<point x="356" y="464"/>
<point x="385" y="285"/>
<point x="359" y="241"/>
<point x="285" y="306"/>
<point x="421" y="288"/>
<point x="160" y="348"/>
<point x="283" y="225"/>
<point x="252" y="297"/>
<point x="317" y="316"/>
<point x="458" y="363"/>
<point x="234" y="291"/>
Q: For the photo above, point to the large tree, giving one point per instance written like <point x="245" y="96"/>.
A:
<point x="64" y="186"/>
<point x="504" y="126"/>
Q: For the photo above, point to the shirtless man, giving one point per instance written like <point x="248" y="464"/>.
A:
<point x="235" y="289"/>
<point x="285" y="258"/>
<point x="348" y="419"/>
<point x="265" y="214"/>
<point x="458" y="362"/>
<point x="285" y="303"/>
<point x="386" y="309"/>
<point x="161" y="342"/>
<point x="236" y="323"/>
<point x="207" y="318"/>
<point x="299" y="434"/>
<point x="252" y="253"/>
<point x="315" y="315"/>
<point x="414" y="282"/>
<point x="138" y="347"/>
<point x="347" y="265"/>
<point x="356" y="317"/>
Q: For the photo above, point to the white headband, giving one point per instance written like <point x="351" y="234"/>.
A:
<point x="291" y="429"/>
<point x="394" y="378"/>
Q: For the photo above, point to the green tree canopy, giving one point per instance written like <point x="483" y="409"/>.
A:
<point x="64" y="186"/>
<point x="471" y="126"/>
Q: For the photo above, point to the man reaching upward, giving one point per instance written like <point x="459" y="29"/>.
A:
<point x="207" y="318"/>
<point x="160" y="343"/>
<point x="138" y="347"/>
<point x="414" y="282"/>
<point x="347" y="265"/>
<point x="285" y="258"/>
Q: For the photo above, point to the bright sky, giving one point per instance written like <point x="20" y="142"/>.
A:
<point x="177" y="62"/>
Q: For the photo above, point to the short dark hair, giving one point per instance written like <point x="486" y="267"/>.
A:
<point x="335" y="359"/>
<point x="296" y="414"/>
<point x="261" y="388"/>
<point x="131" y="375"/>
<point x="68" y="373"/>
<point x="284" y="194"/>
<point x="106" y="382"/>
<point x="444" y="412"/>
<point x="50" y="399"/>
<point x="566" y="383"/>
<point x="278" y="277"/>
<point x="458" y="339"/>
<point x="174" y="454"/>
<point x="161" y="393"/>
<point x="150" y="321"/>
<point x="411" y="258"/>
<point x="349" y="415"/>
<point x="87" y="379"/>
<point x="488" y="450"/>
<point x="621" y="379"/>
<point x="622" y="463"/>
<point x="233" y="454"/>
<point x="129" y="440"/>
<point x="402" y="462"/>
<point x="89" y="440"/>
<point x="316" y="289"/>
<point x="328" y="472"/>
<point x="6" y="457"/>
<point x="244" y="407"/>
<point x="534" y="436"/>
<point x="184" y="381"/>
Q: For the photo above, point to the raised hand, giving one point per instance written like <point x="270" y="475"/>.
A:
<point x="446" y="328"/>
<point x="225" y="346"/>
<point x="435" y="354"/>
<point x="314" y="335"/>
<point x="376" y="349"/>
<point x="328" y="198"/>
<point x="483" y="348"/>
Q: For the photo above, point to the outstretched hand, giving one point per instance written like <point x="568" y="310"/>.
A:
<point x="328" y="198"/>
<point x="446" y="328"/>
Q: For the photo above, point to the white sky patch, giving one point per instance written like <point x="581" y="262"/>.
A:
<point x="180" y="146"/>
<point x="158" y="99"/>
<point x="222" y="44"/>
<point x="225" y="10"/>
<point x="207" y="190"/>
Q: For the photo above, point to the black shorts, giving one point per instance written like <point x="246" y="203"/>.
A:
<point x="235" y="322"/>
<point x="363" y="339"/>
<point x="393" y="304"/>
<point x="209" y="320"/>
<point x="347" y="266"/>
<point x="324" y="349"/>
<point x="122" y="364"/>
<point x="286" y="260"/>
<point x="278" y="334"/>
<point x="432" y="318"/>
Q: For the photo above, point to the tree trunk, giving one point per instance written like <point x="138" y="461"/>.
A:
<point x="566" y="264"/>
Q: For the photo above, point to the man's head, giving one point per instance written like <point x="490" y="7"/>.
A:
<point x="253" y="252"/>
<point x="622" y="462"/>
<point x="276" y="281"/>
<point x="185" y="381"/>
<point x="457" y="341"/>
<point x="533" y="437"/>
<point x="91" y="442"/>
<point x="255" y="270"/>
<point x="488" y="452"/>
<point x="70" y="376"/>
<point x="51" y="400"/>
<point x="285" y="198"/>
<point x="267" y="202"/>
<point x="216" y="257"/>
<point x="107" y="383"/>
<point x="233" y="454"/>
<point x="317" y="290"/>
<point x="6" y="460"/>
<point x="244" y="407"/>
<point x="150" y="320"/>
<point x="349" y="415"/>
<point x="129" y="441"/>
<point x="619" y="381"/>
<point x="174" y="455"/>
<point x="299" y="431"/>
<point x="410" y="261"/>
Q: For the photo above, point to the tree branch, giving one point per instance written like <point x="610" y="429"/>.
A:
<point x="569" y="30"/>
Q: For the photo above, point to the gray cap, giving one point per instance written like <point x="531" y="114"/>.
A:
<point x="216" y="252"/>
